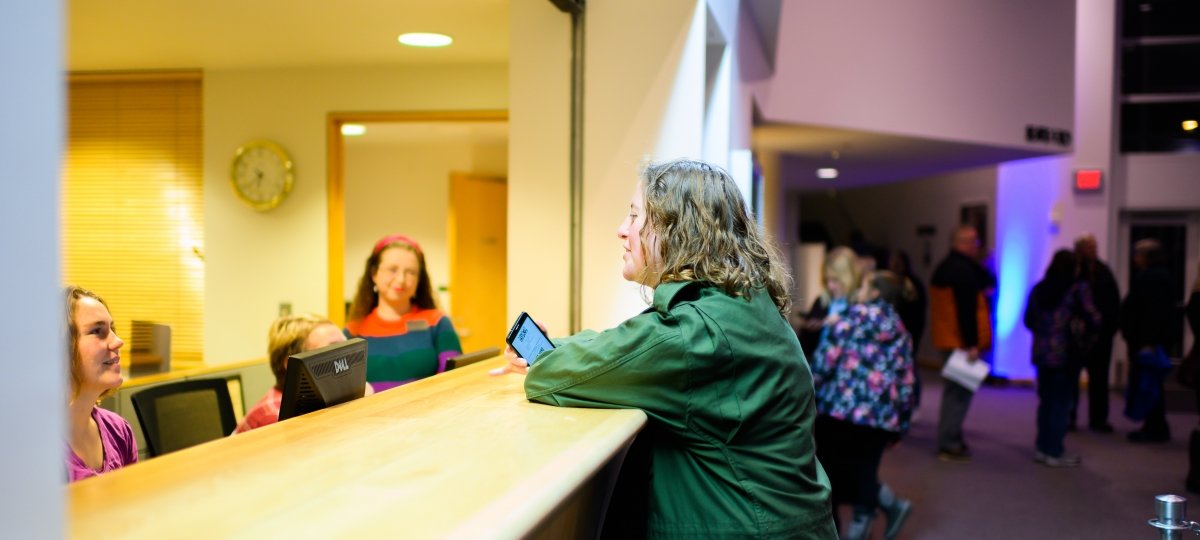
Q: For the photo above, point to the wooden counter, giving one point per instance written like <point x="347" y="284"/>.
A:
<point x="458" y="455"/>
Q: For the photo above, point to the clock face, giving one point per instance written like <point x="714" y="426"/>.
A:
<point x="261" y="174"/>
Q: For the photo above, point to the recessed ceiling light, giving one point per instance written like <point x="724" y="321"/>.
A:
<point x="1189" y="125"/>
<point x="353" y="130"/>
<point x="424" y="39"/>
<point x="828" y="173"/>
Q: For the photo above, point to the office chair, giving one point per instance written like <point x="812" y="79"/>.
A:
<point x="470" y="358"/>
<point x="177" y="415"/>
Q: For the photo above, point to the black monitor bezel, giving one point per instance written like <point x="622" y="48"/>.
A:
<point x="300" y="367"/>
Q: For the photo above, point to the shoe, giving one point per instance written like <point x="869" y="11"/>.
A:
<point x="954" y="456"/>
<point x="894" y="517"/>
<point x="1141" y="436"/>
<point x="860" y="525"/>
<point x="1063" y="461"/>
<point x="1101" y="428"/>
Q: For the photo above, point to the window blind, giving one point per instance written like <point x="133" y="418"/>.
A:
<point x="132" y="200"/>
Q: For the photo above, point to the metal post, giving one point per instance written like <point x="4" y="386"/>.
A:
<point x="1172" y="517"/>
<point x="577" y="9"/>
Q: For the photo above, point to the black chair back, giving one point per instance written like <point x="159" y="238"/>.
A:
<point x="467" y="359"/>
<point x="181" y="414"/>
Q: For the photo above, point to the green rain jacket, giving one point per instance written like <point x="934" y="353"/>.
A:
<point x="728" y="448"/>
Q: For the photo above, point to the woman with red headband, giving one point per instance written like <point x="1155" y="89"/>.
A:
<point x="408" y="338"/>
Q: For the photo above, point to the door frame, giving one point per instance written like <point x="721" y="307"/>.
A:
<point x="1190" y="219"/>
<point x="335" y="185"/>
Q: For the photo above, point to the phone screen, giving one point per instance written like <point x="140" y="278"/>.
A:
<point x="527" y="339"/>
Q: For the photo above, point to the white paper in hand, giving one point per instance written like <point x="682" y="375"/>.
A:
<point x="960" y="369"/>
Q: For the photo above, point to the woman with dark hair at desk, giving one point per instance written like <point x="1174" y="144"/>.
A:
<point x="728" y="450"/>
<point x="98" y="440"/>
<point x="408" y="338"/>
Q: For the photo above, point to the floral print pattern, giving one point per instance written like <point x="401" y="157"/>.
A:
<point x="863" y="369"/>
<point x="1051" y="325"/>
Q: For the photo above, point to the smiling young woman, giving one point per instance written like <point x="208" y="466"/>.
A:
<point x="98" y="440"/>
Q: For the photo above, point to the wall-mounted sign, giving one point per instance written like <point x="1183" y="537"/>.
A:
<point x="1043" y="134"/>
<point x="1088" y="180"/>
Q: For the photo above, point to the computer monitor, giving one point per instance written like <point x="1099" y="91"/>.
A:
<point x="150" y="348"/>
<point x="324" y="377"/>
<point x="472" y="357"/>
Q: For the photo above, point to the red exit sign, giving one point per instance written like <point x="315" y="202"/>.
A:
<point x="1088" y="180"/>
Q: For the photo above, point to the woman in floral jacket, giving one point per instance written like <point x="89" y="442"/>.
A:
<point x="1057" y="303"/>
<point x="863" y="376"/>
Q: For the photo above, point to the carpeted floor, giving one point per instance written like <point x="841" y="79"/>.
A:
<point x="1003" y="494"/>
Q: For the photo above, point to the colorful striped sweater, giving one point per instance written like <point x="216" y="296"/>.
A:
<point x="413" y="347"/>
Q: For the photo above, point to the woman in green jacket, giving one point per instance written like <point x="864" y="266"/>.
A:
<point x="728" y="450"/>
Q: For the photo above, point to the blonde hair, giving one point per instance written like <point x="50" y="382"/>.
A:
<point x="286" y="337"/>
<point x="704" y="233"/>
<point x="841" y="265"/>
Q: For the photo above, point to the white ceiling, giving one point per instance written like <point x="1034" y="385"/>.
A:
<point x="241" y="34"/>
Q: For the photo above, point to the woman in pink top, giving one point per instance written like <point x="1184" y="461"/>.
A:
<point x="98" y="440"/>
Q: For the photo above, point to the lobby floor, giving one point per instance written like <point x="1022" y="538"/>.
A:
<point x="1003" y="494"/>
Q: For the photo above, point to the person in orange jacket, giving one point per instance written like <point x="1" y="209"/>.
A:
<point x="959" y="320"/>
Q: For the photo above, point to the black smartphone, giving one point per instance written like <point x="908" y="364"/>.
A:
<point x="527" y="339"/>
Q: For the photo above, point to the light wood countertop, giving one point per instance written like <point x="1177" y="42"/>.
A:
<point x="458" y="455"/>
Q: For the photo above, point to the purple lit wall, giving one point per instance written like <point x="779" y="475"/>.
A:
<point x="1026" y="236"/>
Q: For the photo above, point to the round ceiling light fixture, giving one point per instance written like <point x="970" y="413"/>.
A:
<point x="425" y="39"/>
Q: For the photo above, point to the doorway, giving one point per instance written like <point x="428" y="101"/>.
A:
<point x="395" y="178"/>
<point x="1179" y="234"/>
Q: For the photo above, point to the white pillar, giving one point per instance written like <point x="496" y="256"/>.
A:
<point x="32" y="394"/>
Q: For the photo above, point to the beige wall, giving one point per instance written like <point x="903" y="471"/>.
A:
<point x="645" y="100"/>
<point x="539" y="164"/>
<point x="255" y="260"/>
<point x="405" y="188"/>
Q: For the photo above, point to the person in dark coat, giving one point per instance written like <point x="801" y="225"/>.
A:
<point x="1103" y="284"/>
<point x="959" y="319"/>
<point x="912" y="307"/>
<point x="1192" y="363"/>
<point x="1146" y="316"/>
<point x="1055" y="303"/>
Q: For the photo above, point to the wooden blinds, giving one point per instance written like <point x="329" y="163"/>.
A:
<point x="132" y="201"/>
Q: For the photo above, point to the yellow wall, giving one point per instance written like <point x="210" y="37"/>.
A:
<point x="255" y="260"/>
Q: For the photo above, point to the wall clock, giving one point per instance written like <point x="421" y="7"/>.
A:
<point x="261" y="174"/>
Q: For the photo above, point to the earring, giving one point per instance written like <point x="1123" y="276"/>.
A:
<point x="374" y="288"/>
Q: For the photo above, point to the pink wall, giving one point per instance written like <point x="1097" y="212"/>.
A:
<point x="944" y="69"/>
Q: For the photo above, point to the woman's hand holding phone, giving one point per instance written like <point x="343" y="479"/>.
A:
<point x="515" y="364"/>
